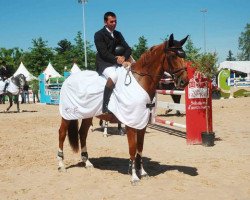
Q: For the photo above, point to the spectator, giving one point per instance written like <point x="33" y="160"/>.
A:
<point x="25" y="93"/>
<point x="34" y="84"/>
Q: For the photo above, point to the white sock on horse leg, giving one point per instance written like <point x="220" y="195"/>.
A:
<point x="60" y="150"/>
<point x="84" y="154"/>
<point x="85" y="157"/>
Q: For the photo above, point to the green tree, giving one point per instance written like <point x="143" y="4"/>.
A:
<point x="206" y="64"/>
<point x="39" y="56"/>
<point x="63" y="46"/>
<point x="91" y="57"/>
<point x="63" y="57"/>
<point x="244" y="44"/>
<point x="140" y="48"/>
<point x="12" y="57"/>
<point x="78" y="50"/>
<point x="230" y="56"/>
<point x="79" y="53"/>
<point x="192" y="53"/>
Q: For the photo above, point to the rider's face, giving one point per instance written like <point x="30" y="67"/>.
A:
<point x="111" y="23"/>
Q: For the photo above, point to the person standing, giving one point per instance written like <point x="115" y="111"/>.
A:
<point x="35" y="89"/>
<point x="112" y="52"/>
<point x="25" y="93"/>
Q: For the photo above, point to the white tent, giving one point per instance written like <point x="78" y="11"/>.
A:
<point x="241" y="66"/>
<point x="50" y="72"/>
<point x="75" y="68"/>
<point x="23" y="70"/>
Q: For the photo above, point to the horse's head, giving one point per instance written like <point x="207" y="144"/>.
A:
<point x="19" y="80"/>
<point x="175" y="61"/>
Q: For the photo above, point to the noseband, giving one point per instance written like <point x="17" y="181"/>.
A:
<point x="180" y="53"/>
<point x="175" y="74"/>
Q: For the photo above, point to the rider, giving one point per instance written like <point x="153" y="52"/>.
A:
<point x="112" y="52"/>
<point x="4" y="75"/>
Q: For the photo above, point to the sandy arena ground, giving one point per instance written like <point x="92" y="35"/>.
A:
<point x="28" y="164"/>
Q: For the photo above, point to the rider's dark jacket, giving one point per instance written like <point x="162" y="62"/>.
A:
<point x="105" y="46"/>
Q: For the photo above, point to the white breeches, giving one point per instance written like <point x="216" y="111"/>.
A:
<point x="110" y="72"/>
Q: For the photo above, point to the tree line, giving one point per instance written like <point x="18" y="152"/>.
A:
<point x="37" y="57"/>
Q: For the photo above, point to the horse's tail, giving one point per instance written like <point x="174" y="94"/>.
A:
<point x="73" y="135"/>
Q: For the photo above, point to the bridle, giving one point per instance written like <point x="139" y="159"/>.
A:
<point x="180" y="53"/>
<point x="175" y="74"/>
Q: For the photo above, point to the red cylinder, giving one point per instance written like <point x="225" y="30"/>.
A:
<point x="198" y="106"/>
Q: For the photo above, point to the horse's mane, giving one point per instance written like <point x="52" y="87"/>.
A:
<point x="145" y="57"/>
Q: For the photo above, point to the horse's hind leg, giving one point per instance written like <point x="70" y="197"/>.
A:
<point x="17" y="103"/>
<point x="138" y="159"/>
<point x="62" y="135"/>
<point x="83" y="133"/>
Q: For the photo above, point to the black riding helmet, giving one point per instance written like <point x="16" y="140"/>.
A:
<point x="119" y="50"/>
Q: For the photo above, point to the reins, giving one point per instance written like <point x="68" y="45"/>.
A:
<point x="173" y="74"/>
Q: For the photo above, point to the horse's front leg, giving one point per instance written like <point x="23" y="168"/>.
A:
<point x="11" y="102"/>
<point x="83" y="132"/>
<point x="138" y="160"/>
<point x="105" y="129"/>
<point x="131" y="135"/>
<point x="62" y="135"/>
<point x="120" y="130"/>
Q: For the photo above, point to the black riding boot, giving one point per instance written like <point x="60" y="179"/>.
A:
<point x="106" y="95"/>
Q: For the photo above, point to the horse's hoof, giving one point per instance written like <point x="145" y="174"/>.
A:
<point x="145" y="176"/>
<point x="135" y="182"/>
<point x="178" y="114"/>
<point x="105" y="135"/>
<point x="62" y="169"/>
<point x="168" y="111"/>
<point x="88" y="165"/>
<point x="121" y="132"/>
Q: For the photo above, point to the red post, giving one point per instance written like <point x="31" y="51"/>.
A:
<point x="198" y="119"/>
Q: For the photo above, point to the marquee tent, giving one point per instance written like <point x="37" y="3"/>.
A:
<point x="75" y="68"/>
<point x="23" y="70"/>
<point x="50" y="72"/>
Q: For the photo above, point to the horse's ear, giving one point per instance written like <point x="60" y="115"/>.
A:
<point x="184" y="40"/>
<point x="171" y="40"/>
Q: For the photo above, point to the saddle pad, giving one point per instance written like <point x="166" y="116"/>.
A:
<point x="81" y="97"/>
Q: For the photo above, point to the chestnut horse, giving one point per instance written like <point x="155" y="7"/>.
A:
<point x="148" y="70"/>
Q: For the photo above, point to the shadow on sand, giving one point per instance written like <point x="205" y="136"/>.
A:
<point x="120" y="165"/>
<point x="22" y="111"/>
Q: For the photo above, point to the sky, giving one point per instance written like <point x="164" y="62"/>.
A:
<point x="55" y="20"/>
